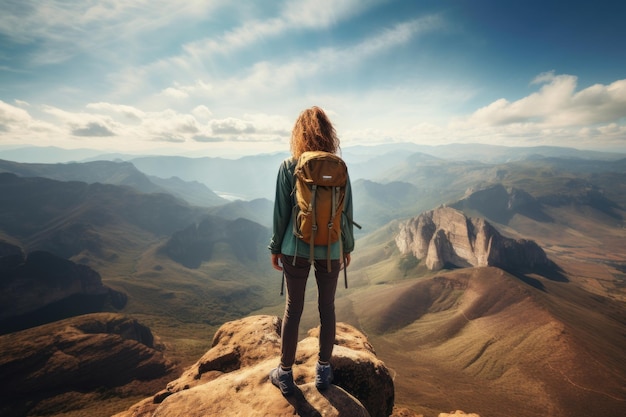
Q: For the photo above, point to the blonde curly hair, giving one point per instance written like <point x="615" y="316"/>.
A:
<point x="313" y="131"/>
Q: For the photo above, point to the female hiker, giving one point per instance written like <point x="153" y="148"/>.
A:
<point x="312" y="131"/>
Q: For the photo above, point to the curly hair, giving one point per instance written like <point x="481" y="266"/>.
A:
<point x="313" y="131"/>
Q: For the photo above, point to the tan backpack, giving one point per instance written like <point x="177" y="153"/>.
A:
<point x="320" y="190"/>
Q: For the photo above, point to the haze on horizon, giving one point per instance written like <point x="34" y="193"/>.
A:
<point x="209" y="77"/>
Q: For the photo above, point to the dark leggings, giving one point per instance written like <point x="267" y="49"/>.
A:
<point x="296" y="277"/>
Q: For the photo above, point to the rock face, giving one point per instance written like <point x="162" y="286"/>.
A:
<point x="446" y="237"/>
<point x="231" y="379"/>
<point x="41" y="287"/>
<point x="88" y="353"/>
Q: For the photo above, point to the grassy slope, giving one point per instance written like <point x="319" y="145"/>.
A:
<point x="185" y="306"/>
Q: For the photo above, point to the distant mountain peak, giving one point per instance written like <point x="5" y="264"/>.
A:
<point x="500" y="203"/>
<point x="446" y="237"/>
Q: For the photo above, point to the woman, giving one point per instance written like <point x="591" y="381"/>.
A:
<point x="313" y="131"/>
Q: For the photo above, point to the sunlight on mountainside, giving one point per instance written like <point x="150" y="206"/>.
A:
<point x="483" y="339"/>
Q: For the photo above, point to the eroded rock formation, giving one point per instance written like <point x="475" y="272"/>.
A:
<point x="446" y="237"/>
<point x="231" y="379"/>
<point x="42" y="366"/>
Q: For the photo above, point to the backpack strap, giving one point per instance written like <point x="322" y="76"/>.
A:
<point x="343" y="259"/>
<point x="294" y="215"/>
<point x="314" y="225"/>
<point x="333" y="213"/>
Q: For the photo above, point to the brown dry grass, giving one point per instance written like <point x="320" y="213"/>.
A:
<point x="489" y="342"/>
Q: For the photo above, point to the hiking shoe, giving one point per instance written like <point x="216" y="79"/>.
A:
<point x="323" y="376"/>
<point x="283" y="380"/>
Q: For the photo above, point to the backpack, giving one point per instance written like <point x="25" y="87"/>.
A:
<point x="320" y="190"/>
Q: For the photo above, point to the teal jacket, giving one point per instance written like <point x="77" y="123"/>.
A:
<point x="283" y="240"/>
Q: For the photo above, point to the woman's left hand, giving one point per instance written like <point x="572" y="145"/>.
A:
<point x="346" y="260"/>
<point x="276" y="262"/>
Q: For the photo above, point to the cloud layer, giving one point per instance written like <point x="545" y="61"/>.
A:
<point x="134" y="75"/>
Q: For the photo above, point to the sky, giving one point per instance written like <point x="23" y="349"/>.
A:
<point x="214" y="77"/>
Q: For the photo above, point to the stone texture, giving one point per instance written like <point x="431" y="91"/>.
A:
<point x="458" y="413"/>
<point x="86" y="353"/>
<point x="445" y="236"/>
<point x="231" y="379"/>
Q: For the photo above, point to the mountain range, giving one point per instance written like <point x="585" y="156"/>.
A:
<point x="487" y="339"/>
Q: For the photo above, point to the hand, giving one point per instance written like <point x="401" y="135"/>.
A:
<point x="276" y="262"/>
<point x="346" y="260"/>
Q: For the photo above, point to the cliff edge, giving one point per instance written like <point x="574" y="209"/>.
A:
<point x="231" y="379"/>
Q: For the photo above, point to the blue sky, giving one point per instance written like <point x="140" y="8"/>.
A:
<point x="223" y="77"/>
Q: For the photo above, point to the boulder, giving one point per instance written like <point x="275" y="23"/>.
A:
<point x="231" y="379"/>
<point x="458" y="413"/>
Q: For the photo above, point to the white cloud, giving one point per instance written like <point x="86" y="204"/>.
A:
<point x="254" y="127"/>
<point x="179" y="91"/>
<point x="240" y="37"/>
<point x="64" y="29"/>
<point x="202" y="112"/>
<point x="176" y="93"/>
<point x="296" y="15"/>
<point x="17" y="124"/>
<point x="10" y="115"/>
<point x="129" y="112"/>
<point x="93" y="129"/>
<point x="274" y="78"/>
<point x="557" y="104"/>
<point x="119" y="123"/>
<point x="170" y="124"/>
<point x="270" y="124"/>
<point x="557" y="114"/>
<point x="231" y="126"/>
<point x="85" y="124"/>
<point x="321" y="13"/>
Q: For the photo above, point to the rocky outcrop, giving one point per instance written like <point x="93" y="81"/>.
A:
<point x="446" y="237"/>
<point x="231" y="379"/>
<point x="41" y="287"/>
<point x="83" y="354"/>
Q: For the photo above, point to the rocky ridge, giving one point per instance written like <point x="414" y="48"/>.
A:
<point x="446" y="237"/>
<point x="40" y="287"/>
<point x="45" y="370"/>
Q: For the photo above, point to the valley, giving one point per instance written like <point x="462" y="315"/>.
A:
<point x="482" y="339"/>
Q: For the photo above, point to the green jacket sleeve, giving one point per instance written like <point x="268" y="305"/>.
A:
<point x="347" y="227"/>
<point x="283" y="204"/>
